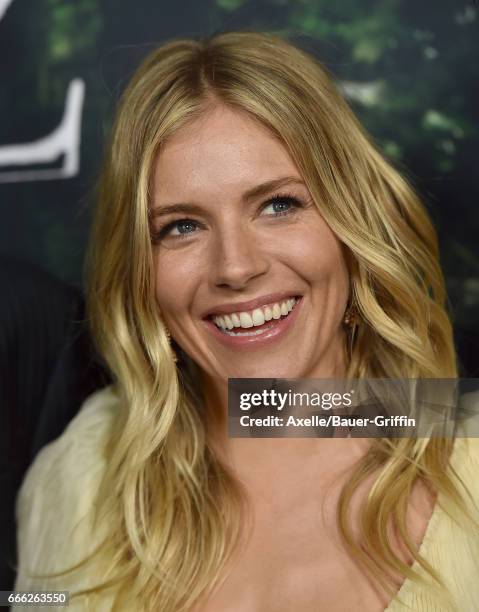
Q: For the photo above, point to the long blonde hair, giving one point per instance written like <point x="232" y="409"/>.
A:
<point x="172" y="510"/>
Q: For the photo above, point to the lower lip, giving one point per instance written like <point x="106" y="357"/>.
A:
<point x="277" y="331"/>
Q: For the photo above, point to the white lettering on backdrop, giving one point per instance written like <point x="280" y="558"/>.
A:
<point x="63" y="140"/>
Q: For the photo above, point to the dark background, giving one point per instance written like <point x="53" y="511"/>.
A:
<point x="409" y="69"/>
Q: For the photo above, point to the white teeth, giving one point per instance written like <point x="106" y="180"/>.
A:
<point x="255" y="332"/>
<point x="245" y="320"/>
<point x="276" y="311"/>
<point x="256" y="317"/>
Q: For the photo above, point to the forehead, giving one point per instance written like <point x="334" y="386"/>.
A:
<point x="223" y="149"/>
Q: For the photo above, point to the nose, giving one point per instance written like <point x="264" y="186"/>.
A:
<point x="237" y="258"/>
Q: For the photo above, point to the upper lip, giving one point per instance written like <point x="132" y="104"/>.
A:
<point x="250" y="304"/>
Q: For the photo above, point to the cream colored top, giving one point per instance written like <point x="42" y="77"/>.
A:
<point x="59" y="491"/>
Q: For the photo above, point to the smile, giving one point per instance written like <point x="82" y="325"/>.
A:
<point x="254" y="318"/>
<point x="256" y="328"/>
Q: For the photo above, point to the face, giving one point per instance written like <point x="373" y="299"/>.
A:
<point x="238" y="240"/>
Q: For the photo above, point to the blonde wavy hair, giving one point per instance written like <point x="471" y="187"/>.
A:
<point x="172" y="509"/>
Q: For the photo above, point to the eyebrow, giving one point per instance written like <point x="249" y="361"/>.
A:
<point x="252" y="194"/>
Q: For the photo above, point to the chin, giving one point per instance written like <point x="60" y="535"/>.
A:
<point x="256" y="371"/>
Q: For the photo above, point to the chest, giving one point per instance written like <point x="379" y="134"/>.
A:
<point x="294" y="559"/>
<point x="295" y="566"/>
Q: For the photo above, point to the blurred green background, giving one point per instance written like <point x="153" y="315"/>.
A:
<point x="409" y="69"/>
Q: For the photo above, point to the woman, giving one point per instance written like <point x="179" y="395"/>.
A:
<point x="239" y="188"/>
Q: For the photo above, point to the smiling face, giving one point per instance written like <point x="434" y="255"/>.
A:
<point x="233" y="248"/>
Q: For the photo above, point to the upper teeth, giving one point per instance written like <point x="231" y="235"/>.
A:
<point x="255" y="317"/>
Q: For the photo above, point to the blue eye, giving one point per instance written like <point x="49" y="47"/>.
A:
<point x="183" y="227"/>
<point x="184" y="224"/>
<point x="282" y="205"/>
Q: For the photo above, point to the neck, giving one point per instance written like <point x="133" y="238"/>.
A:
<point x="332" y="364"/>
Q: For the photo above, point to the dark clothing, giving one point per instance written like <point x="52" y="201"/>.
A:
<point x="47" y="369"/>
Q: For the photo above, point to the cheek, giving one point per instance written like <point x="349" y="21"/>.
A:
<point x="174" y="284"/>
<point x="316" y="254"/>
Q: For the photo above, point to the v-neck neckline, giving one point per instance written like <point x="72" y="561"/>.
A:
<point x="430" y="531"/>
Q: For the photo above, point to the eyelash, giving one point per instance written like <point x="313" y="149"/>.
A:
<point x="286" y="197"/>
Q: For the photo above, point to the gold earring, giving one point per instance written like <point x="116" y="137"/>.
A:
<point x="350" y="316"/>
<point x="168" y="335"/>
